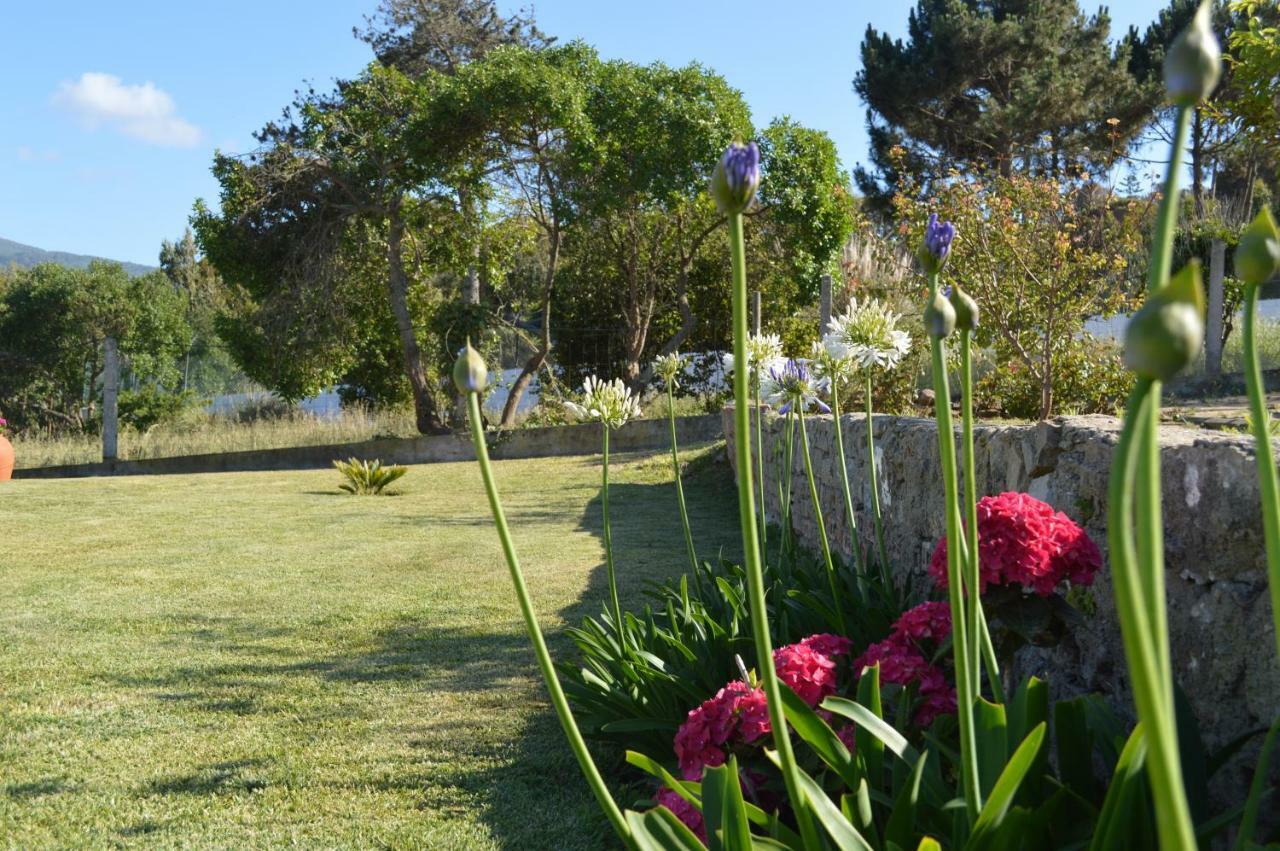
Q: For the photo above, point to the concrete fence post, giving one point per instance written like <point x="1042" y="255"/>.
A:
<point x="110" y="398"/>
<point x="1213" y="329"/>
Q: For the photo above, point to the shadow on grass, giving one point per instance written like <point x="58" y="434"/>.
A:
<point x="526" y="786"/>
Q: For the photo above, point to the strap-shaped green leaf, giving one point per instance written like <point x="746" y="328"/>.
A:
<point x="1006" y="787"/>
<point x="825" y="743"/>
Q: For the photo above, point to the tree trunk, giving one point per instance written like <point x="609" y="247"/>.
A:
<point x="424" y="407"/>
<point x="1046" y="379"/>
<point x="539" y="358"/>
<point x="688" y="322"/>
<point x="1213" y="332"/>
<point x="1197" y="162"/>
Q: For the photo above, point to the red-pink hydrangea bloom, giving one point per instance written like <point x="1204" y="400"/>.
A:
<point x="930" y="621"/>
<point x="683" y="810"/>
<point x="828" y="644"/>
<point x="810" y="674"/>
<point x="1024" y="541"/>
<point x="937" y="698"/>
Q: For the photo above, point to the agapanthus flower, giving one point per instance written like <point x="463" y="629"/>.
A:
<point x="1024" y="541"/>
<point x="763" y="350"/>
<point x="736" y="178"/>
<point x="868" y="334"/>
<point x="610" y="402"/>
<point x="830" y="363"/>
<point x="669" y="367"/>
<point x="789" y="386"/>
<point x="938" y="237"/>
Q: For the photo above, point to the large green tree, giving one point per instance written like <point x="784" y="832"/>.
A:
<point x="996" y="85"/>
<point x="54" y="321"/>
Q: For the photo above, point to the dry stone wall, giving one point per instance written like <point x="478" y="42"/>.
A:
<point x="1219" y="610"/>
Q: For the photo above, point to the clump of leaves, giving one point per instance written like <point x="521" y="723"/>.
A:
<point x="368" y="478"/>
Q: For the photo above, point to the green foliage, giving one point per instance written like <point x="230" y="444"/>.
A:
<point x="995" y="87"/>
<point x="1090" y="378"/>
<point x="1040" y="258"/>
<point x="368" y="478"/>
<point x="147" y="407"/>
<point x="53" y="324"/>
<point x="688" y="638"/>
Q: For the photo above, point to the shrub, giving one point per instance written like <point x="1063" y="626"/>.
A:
<point x="1089" y="378"/>
<point x="367" y="478"/>
<point x="149" y="407"/>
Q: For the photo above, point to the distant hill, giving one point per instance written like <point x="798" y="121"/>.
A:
<point x="27" y="256"/>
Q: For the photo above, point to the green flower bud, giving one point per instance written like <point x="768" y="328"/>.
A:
<point x="966" y="309"/>
<point x="1193" y="64"/>
<point x="1167" y="332"/>
<point x="1258" y="254"/>
<point x="469" y="372"/>
<point x="939" y="317"/>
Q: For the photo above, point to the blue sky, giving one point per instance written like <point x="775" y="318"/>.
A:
<point x="111" y="111"/>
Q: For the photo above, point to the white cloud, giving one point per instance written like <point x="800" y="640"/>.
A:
<point x="28" y="154"/>
<point x="141" y="111"/>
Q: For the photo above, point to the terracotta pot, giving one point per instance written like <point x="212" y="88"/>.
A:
<point x="6" y="459"/>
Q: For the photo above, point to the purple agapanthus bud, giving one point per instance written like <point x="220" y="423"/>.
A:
<point x="736" y="177"/>
<point x="937" y="244"/>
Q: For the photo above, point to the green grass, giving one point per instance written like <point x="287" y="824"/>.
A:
<point x="197" y="433"/>
<point x="253" y="660"/>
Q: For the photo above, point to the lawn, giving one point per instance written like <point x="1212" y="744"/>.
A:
<point x="252" y="660"/>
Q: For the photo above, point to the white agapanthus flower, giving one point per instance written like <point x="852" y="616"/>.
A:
<point x="763" y="349"/>
<point x="789" y="386"/>
<point x="869" y="335"/>
<point x="669" y="367"/>
<point x="610" y="402"/>
<point x="830" y="363"/>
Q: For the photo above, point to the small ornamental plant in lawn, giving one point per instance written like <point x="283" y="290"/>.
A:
<point x="368" y="478"/>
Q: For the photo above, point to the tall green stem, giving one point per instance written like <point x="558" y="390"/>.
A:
<point x="608" y="547"/>
<point x="1173" y="818"/>
<point x="750" y="546"/>
<point x="876" y="518"/>
<point x="570" y="727"/>
<point x="960" y="645"/>
<point x="788" y="462"/>
<point x="978" y="632"/>
<point x="822" y="527"/>
<point x="850" y="517"/>
<point x="1150" y="520"/>
<point x="758" y="413"/>
<point x="1260" y="423"/>
<point x="675" y="470"/>
<point x="1138" y="566"/>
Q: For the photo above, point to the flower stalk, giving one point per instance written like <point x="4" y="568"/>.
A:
<point x="730" y="186"/>
<point x="822" y="527"/>
<point x="1160" y="340"/>
<point x="545" y="665"/>
<point x="1257" y="260"/>
<point x="859" y="553"/>
<point x="940" y="321"/>
<point x="873" y="476"/>
<point x="675" y="470"/>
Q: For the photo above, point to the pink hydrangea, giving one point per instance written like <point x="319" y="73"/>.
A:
<point x="701" y="738"/>
<point x="810" y="674"/>
<point x="937" y="697"/>
<point x="1024" y="541"/>
<point x="753" y="716"/>
<point x="683" y="810"/>
<point x="900" y="661"/>
<point x="828" y="644"/>
<point x="931" y="621"/>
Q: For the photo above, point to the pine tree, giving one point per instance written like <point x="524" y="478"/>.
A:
<point x="997" y="85"/>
